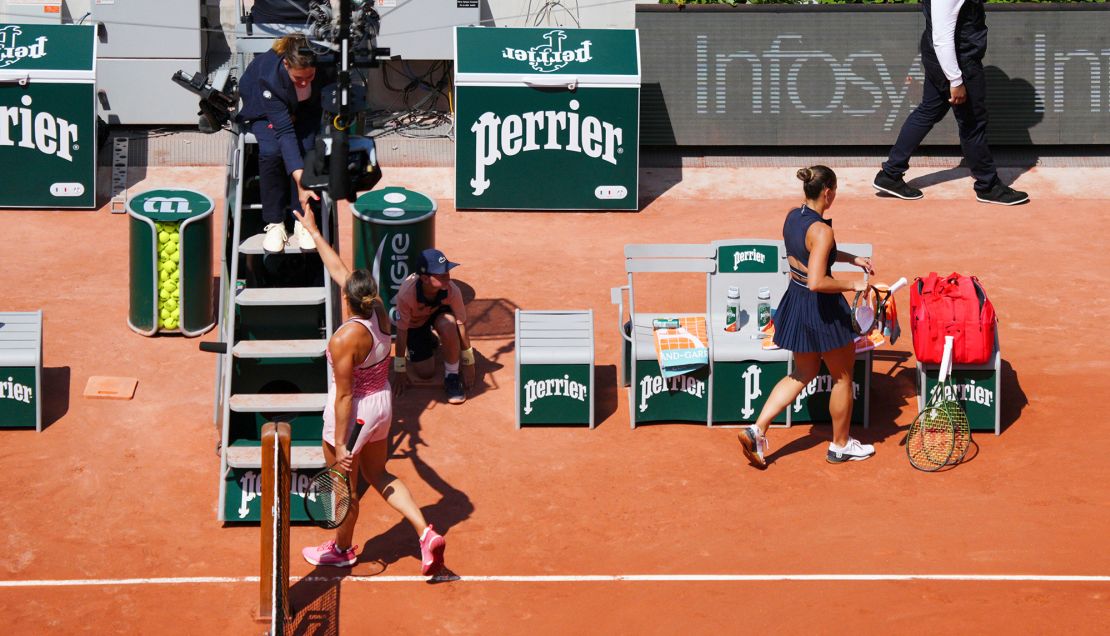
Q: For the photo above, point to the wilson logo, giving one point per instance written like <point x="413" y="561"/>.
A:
<point x="10" y="52"/>
<point x="496" y="138"/>
<point x="549" y="57"/>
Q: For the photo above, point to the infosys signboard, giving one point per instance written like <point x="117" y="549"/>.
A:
<point x="546" y="118"/>
<point x="851" y="74"/>
<point x="48" y="116"/>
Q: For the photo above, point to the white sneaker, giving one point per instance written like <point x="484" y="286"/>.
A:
<point x="303" y="238"/>
<point x="853" y="451"/>
<point x="276" y="236"/>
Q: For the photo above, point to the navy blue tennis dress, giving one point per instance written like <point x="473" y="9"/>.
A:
<point x="808" y="321"/>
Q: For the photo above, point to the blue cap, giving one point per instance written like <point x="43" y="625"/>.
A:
<point x="433" y="261"/>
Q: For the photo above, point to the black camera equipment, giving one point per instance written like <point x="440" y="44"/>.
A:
<point x="219" y="99"/>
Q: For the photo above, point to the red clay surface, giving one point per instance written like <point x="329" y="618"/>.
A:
<point x="128" y="489"/>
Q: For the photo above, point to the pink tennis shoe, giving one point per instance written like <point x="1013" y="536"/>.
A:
<point x="431" y="552"/>
<point x="327" y="554"/>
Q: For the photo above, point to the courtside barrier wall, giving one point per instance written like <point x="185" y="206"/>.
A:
<point x="851" y="74"/>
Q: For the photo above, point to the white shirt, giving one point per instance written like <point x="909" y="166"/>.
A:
<point x="943" y="14"/>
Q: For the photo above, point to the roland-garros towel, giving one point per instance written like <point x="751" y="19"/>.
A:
<point x="683" y="349"/>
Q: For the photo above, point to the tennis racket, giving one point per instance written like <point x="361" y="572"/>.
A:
<point x="863" y="313"/>
<point x="327" y="498"/>
<point x="931" y="442"/>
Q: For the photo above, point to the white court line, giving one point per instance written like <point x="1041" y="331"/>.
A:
<point x="601" y="578"/>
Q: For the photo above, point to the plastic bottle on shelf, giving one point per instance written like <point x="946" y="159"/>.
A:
<point x="763" y="310"/>
<point x="732" y="309"/>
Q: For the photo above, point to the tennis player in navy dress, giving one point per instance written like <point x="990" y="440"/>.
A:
<point x="814" y="321"/>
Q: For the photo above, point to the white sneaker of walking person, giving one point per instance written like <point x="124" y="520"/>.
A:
<point x="853" y="451"/>
<point x="276" y="236"/>
<point x="303" y="238"/>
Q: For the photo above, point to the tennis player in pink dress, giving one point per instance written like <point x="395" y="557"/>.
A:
<point x="359" y="357"/>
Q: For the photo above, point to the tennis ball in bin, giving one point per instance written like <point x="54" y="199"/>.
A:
<point x="171" y="323"/>
<point x="163" y="237"/>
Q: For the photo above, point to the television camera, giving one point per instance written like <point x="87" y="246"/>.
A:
<point x="341" y="163"/>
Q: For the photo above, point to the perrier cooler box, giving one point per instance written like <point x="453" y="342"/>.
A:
<point x="547" y="118"/>
<point x="48" y="116"/>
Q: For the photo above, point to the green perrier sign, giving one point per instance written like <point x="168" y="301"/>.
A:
<point x="548" y="118"/>
<point x="48" y="115"/>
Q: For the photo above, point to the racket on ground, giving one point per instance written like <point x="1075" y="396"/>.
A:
<point x="327" y="498"/>
<point x="931" y="441"/>
<point x="863" y="313"/>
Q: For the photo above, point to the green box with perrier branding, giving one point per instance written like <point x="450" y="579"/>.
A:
<point x="547" y="118"/>
<point x="48" y="115"/>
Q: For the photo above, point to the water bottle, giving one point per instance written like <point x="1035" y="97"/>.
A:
<point x="763" y="310"/>
<point x="732" y="309"/>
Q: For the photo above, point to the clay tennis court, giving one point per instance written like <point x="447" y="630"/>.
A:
<point x="109" y="523"/>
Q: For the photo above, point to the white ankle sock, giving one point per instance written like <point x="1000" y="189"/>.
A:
<point x="449" y="368"/>
<point x="425" y="533"/>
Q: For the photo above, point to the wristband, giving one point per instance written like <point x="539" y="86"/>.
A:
<point x="400" y="364"/>
<point x="467" y="356"/>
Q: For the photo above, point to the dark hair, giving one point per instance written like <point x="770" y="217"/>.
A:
<point x="362" y="293"/>
<point x="289" y="48"/>
<point x="816" y="179"/>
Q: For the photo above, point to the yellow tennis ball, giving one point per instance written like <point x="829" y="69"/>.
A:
<point x="164" y="293"/>
<point x="164" y="275"/>
<point x="166" y="314"/>
<point x="163" y="237"/>
<point x="171" y="323"/>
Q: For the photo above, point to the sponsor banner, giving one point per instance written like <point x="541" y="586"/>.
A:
<point x="18" y="397"/>
<point x="812" y="405"/>
<point x="555" y="394"/>
<point x="547" y="119"/>
<point x="748" y="259"/>
<point x="851" y="74"/>
<point x="48" y="116"/>
<point x="976" y="391"/>
<point x="741" y="389"/>
<point x="681" y="398"/>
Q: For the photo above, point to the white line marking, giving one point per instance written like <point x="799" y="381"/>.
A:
<point x="600" y="578"/>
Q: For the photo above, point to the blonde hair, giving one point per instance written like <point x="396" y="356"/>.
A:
<point x="289" y="48"/>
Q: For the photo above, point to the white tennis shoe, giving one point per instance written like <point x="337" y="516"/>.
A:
<point x="853" y="451"/>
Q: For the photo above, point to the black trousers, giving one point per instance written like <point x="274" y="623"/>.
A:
<point x="276" y="185"/>
<point x="971" y="118"/>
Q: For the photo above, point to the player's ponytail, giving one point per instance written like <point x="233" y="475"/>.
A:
<point x="362" y="293"/>
<point x="816" y="179"/>
<point x="290" y="47"/>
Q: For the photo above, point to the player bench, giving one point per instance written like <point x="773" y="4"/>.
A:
<point x="731" y="390"/>
<point x="21" y="369"/>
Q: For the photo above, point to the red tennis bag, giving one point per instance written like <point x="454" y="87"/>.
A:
<point x="956" y="306"/>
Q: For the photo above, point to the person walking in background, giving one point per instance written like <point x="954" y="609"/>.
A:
<point x="952" y="50"/>
<point x="814" y="321"/>
<point x="281" y="107"/>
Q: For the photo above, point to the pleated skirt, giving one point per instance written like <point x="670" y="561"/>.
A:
<point x="812" y="322"/>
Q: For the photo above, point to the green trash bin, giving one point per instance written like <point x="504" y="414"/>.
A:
<point x="392" y="227"/>
<point x="171" y="262"/>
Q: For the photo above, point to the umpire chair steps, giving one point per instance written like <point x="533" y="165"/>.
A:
<point x="277" y="333"/>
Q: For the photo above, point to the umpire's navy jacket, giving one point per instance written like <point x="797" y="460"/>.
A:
<point x="268" y="94"/>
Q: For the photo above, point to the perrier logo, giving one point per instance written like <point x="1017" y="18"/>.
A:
<point x="10" y="49"/>
<point x="566" y="130"/>
<point x="550" y="57"/>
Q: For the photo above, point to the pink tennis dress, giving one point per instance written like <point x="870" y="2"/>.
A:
<point x="371" y="398"/>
